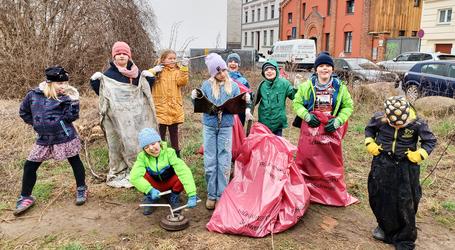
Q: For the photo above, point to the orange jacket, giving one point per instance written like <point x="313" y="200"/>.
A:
<point x="168" y="96"/>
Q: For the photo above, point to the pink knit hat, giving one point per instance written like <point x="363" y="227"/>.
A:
<point x="214" y="63"/>
<point x="121" y="48"/>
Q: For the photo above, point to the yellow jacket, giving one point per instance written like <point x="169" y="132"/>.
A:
<point x="168" y="96"/>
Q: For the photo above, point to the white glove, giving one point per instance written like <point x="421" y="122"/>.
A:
<point x="297" y="81"/>
<point x="158" y="68"/>
<point x="184" y="62"/>
<point x="247" y="98"/>
<point x="96" y="76"/>
<point x="193" y="94"/>
<point x="248" y="115"/>
<point x="146" y="73"/>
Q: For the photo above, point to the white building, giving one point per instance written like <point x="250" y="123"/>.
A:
<point x="438" y="25"/>
<point x="260" y="24"/>
<point x="234" y="23"/>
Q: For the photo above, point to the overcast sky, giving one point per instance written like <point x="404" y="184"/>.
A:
<point x="201" y="19"/>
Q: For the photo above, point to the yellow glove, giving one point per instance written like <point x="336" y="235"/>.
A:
<point x="372" y="148"/>
<point x="417" y="156"/>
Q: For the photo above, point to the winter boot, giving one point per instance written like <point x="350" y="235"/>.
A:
<point x="81" y="195"/>
<point x="174" y="200"/>
<point x="23" y="203"/>
<point x="148" y="210"/>
<point x="378" y="234"/>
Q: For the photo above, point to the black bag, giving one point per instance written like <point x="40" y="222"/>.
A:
<point x="297" y="122"/>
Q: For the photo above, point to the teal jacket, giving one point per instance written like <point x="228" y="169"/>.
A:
<point x="271" y="97"/>
<point x="166" y="162"/>
<point x="342" y="104"/>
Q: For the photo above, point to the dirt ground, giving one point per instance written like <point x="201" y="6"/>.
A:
<point x="111" y="219"/>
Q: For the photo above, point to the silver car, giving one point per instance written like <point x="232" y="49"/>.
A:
<point x="405" y="61"/>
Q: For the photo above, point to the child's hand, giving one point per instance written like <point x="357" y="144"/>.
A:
<point x="184" y="62"/>
<point x="96" y="76"/>
<point x="247" y="98"/>
<point x="146" y="73"/>
<point x="194" y="94"/>
<point x="417" y="156"/>
<point x="332" y="126"/>
<point x="372" y="148"/>
<point x="312" y="120"/>
<point x="192" y="200"/>
<point x="248" y="115"/>
<point x="154" y="194"/>
<point x="158" y="68"/>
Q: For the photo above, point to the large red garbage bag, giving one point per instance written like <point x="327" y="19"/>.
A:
<point x="267" y="194"/>
<point x="320" y="158"/>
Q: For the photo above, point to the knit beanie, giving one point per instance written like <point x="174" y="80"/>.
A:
<point x="56" y="74"/>
<point x="233" y="57"/>
<point x="215" y="63"/>
<point x="323" y="58"/>
<point x="121" y="48"/>
<point x="148" y="136"/>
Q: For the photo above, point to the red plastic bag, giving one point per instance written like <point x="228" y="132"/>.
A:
<point x="267" y="193"/>
<point x="320" y="158"/>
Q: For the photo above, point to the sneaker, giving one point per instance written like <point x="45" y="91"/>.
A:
<point x="210" y="204"/>
<point x="23" y="203"/>
<point x="148" y="210"/>
<point x="174" y="200"/>
<point x="379" y="234"/>
<point x="122" y="183"/>
<point x="81" y="195"/>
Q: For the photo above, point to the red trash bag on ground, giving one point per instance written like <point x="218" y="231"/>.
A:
<point x="320" y="158"/>
<point x="267" y="194"/>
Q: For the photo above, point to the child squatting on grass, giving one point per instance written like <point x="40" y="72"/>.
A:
<point x="393" y="183"/>
<point x="158" y="169"/>
<point x="51" y="109"/>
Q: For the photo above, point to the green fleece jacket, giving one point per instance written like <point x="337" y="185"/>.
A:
<point x="165" y="160"/>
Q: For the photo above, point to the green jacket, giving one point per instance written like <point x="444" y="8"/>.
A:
<point x="271" y="96"/>
<point x="342" y="104"/>
<point x="167" y="162"/>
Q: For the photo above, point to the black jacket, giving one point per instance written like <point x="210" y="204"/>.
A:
<point x="398" y="141"/>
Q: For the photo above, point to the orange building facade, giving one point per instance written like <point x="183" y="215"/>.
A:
<point x="349" y="28"/>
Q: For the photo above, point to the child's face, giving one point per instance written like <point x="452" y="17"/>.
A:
<point x="169" y="60"/>
<point x="221" y="75"/>
<point x="153" y="149"/>
<point x="233" y="66"/>
<point x="270" y="73"/>
<point x="121" y="60"/>
<point x="324" y="72"/>
<point x="60" y="87"/>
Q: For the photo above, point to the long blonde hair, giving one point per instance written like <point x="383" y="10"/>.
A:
<point x="215" y="84"/>
<point x="163" y="55"/>
<point x="49" y="91"/>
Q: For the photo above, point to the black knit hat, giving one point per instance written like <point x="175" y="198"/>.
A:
<point x="323" y="58"/>
<point x="56" y="74"/>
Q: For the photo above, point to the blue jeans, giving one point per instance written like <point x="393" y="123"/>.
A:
<point x="217" y="159"/>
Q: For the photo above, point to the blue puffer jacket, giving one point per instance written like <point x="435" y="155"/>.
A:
<point x="51" y="119"/>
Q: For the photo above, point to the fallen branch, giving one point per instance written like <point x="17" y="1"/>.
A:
<point x="87" y="159"/>
<point x="113" y="203"/>
<point x="50" y="203"/>
<point x="439" y="160"/>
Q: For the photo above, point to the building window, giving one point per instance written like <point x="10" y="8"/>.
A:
<point x="327" y="41"/>
<point x="328" y="7"/>
<point x="264" y="42"/>
<point x="445" y="15"/>
<point x="245" y="39"/>
<point x="303" y="10"/>
<point x="290" y="17"/>
<point x="294" y="33"/>
<point x="350" y="6"/>
<point x="252" y="16"/>
<point x="416" y="3"/>
<point x="414" y="33"/>
<point x="252" y="38"/>
<point x="259" y="14"/>
<point x="246" y="16"/>
<point x="266" y="12"/>
<point x="272" y="8"/>
<point x="271" y="37"/>
<point x="348" y="42"/>
<point x="402" y="33"/>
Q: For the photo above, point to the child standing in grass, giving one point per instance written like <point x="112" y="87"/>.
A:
<point x="50" y="109"/>
<point x="167" y="95"/>
<point x="158" y="169"/>
<point x="233" y="63"/>
<point x="393" y="183"/>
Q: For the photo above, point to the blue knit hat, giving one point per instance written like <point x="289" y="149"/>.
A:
<point x="148" y="136"/>
<point x="233" y="57"/>
<point x="323" y="58"/>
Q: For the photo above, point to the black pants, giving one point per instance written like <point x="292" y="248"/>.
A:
<point x="394" y="194"/>
<point x="173" y="135"/>
<point x="30" y="168"/>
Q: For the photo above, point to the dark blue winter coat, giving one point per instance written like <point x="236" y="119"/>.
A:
<point x="51" y="119"/>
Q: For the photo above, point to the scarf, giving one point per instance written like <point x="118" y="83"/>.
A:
<point x="130" y="73"/>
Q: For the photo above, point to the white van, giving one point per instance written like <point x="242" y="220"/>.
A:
<point x="299" y="53"/>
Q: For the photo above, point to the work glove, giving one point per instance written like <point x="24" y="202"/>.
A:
<point x="372" y="148"/>
<point x="158" y="68"/>
<point x="332" y="125"/>
<point x="192" y="200"/>
<point x="312" y="120"/>
<point x="194" y="94"/>
<point x="247" y="98"/>
<point x="248" y="115"/>
<point x="96" y="76"/>
<point x="154" y="194"/>
<point x="417" y="156"/>
<point x="184" y="62"/>
<point x="147" y="73"/>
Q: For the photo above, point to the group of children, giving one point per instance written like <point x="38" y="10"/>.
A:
<point x="391" y="136"/>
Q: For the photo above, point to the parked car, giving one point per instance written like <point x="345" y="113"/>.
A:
<point x="405" y="61"/>
<point x="356" y="70"/>
<point x="430" y="79"/>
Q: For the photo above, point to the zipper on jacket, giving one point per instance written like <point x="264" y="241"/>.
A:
<point x="394" y="140"/>
<point x="157" y="171"/>
<point x="64" y="128"/>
